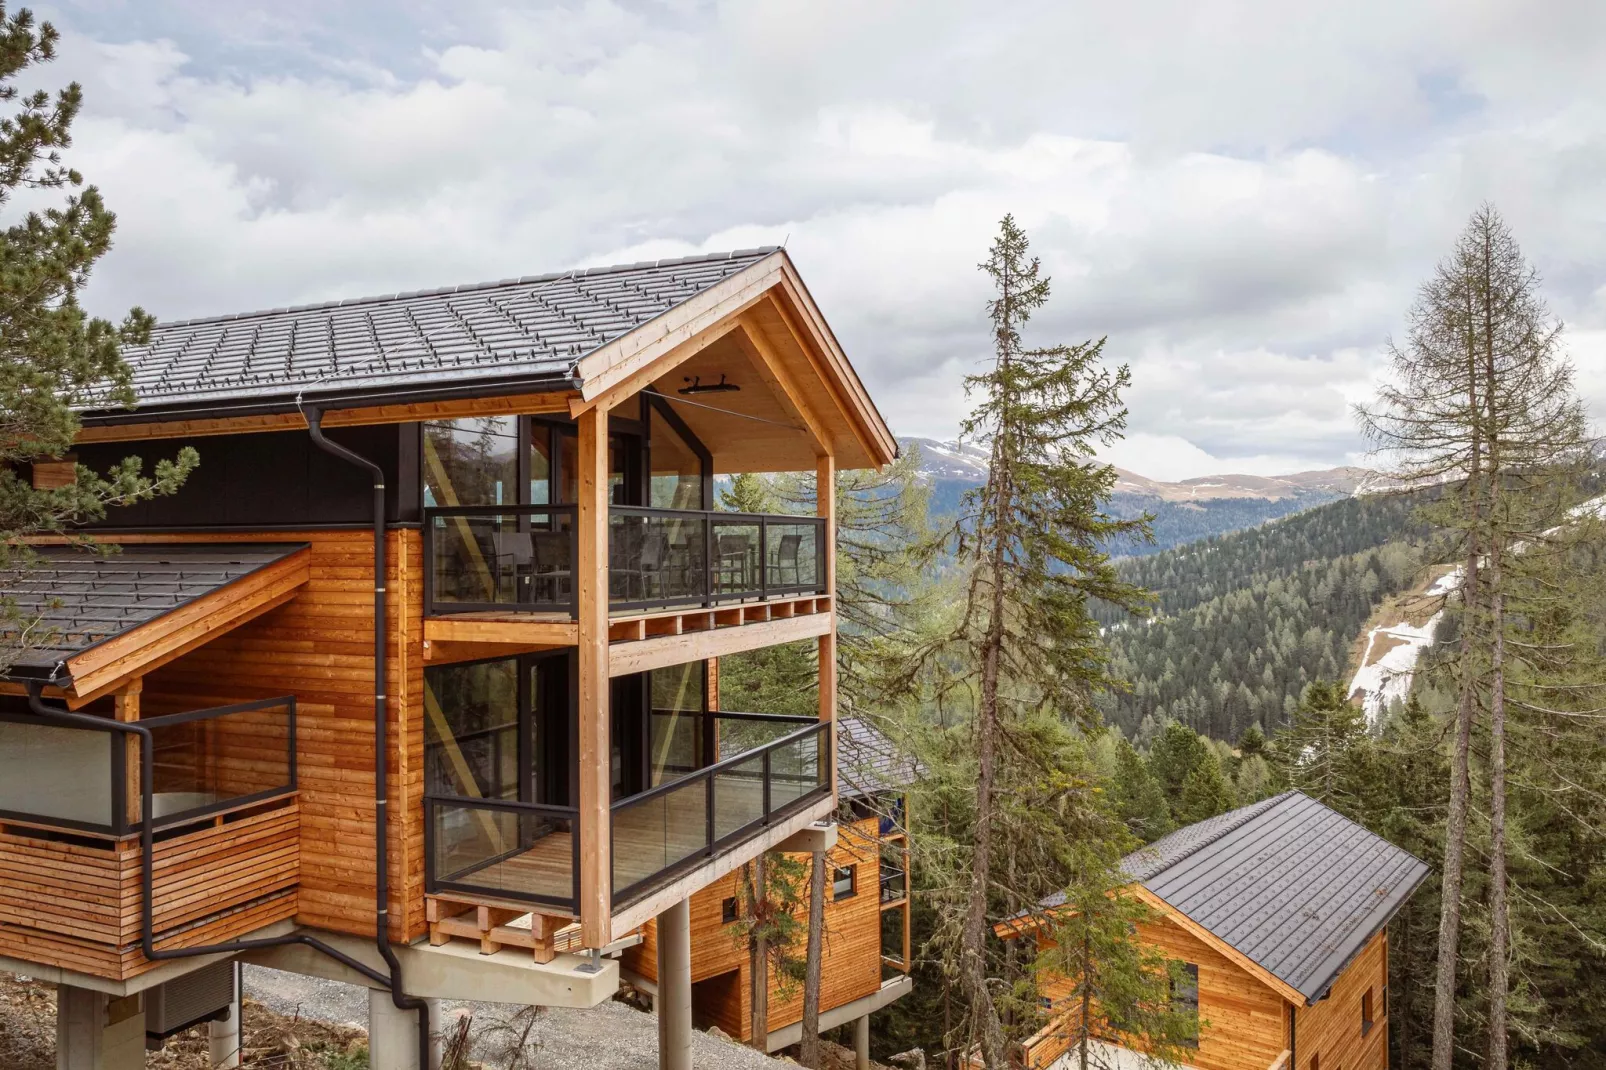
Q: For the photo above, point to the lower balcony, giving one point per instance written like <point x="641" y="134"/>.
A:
<point x="225" y="826"/>
<point x="724" y="780"/>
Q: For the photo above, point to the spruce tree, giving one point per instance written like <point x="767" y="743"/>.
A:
<point x="1030" y="542"/>
<point x="55" y="359"/>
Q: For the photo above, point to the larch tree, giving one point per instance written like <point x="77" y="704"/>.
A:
<point x="54" y="358"/>
<point x="1022" y="644"/>
<point x="1481" y="399"/>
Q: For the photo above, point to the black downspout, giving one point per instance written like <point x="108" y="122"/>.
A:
<point x="398" y="993"/>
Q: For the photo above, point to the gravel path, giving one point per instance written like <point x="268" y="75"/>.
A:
<point x="611" y="1036"/>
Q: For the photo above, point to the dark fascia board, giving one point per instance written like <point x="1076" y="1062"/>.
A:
<point x="298" y="401"/>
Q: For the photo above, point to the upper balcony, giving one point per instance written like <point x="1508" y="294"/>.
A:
<point x="225" y="829"/>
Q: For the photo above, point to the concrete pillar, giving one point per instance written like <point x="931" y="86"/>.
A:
<point x="223" y="1037"/>
<point x="861" y="1043"/>
<point x="392" y="1033"/>
<point x="437" y="1033"/>
<point x="674" y="987"/>
<point x="96" y="1032"/>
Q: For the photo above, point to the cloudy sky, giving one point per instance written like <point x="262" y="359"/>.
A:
<point x="1243" y="197"/>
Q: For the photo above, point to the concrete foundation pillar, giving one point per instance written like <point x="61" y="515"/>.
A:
<point x="96" y="1032"/>
<point x="861" y="1043"/>
<point x="223" y="1037"/>
<point x="392" y="1034"/>
<point x="674" y="987"/>
<point x="437" y="1035"/>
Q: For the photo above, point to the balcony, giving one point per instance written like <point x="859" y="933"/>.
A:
<point x="224" y="819"/>
<point x="725" y="779"/>
<point x="487" y="559"/>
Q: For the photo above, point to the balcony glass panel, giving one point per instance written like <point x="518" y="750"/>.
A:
<point x="493" y="559"/>
<point x="796" y="768"/>
<point x="657" y="559"/>
<point x="203" y="763"/>
<point x="738" y="797"/>
<point x="736" y="555"/>
<point x="792" y="556"/>
<point x="56" y="775"/>
<point x="658" y="830"/>
<point x="505" y="849"/>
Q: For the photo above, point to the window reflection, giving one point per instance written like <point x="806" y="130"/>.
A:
<point x="471" y="730"/>
<point x="677" y="470"/>
<point x="472" y="461"/>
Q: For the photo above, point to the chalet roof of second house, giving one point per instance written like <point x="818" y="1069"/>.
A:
<point x="1291" y="884"/>
<point x="76" y="599"/>
<point x="868" y="763"/>
<point x="530" y="330"/>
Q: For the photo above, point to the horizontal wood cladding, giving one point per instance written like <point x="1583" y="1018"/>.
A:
<point x="1331" y="1027"/>
<point x="318" y="646"/>
<point x="80" y="907"/>
<point x="1243" y="1023"/>
<point x="850" y="963"/>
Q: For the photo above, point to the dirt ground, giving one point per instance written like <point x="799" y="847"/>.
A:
<point x="272" y="1041"/>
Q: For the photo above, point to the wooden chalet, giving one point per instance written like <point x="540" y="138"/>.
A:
<point x="410" y="684"/>
<point x="1279" y="913"/>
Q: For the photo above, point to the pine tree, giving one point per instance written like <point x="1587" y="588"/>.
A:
<point x="1030" y="541"/>
<point x="1325" y="751"/>
<point x="54" y="358"/>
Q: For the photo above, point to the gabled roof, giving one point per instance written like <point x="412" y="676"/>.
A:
<point x="868" y="763"/>
<point x="1291" y="884"/>
<point x="531" y="330"/>
<point x="103" y="617"/>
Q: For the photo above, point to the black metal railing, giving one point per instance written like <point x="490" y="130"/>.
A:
<point x="523" y="557"/>
<point x="203" y="762"/>
<point x="683" y="742"/>
<point x="676" y="825"/>
<point x="894" y="883"/>
<point x="502" y="848"/>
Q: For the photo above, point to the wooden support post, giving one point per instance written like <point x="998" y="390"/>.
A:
<point x="125" y="706"/>
<point x="591" y="527"/>
<point x="825" y="498"/>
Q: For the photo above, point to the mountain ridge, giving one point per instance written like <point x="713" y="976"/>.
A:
<point x="965" y="462"/>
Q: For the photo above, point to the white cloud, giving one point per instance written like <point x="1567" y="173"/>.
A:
<point x="1242" y="196"/>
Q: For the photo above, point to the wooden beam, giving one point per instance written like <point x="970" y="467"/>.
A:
<point x="126" y="709"/>
<point x="1238" y="958"/>
<point x="106" y="666"/>
<point x="825" y="505"/>
<point x="773" y="371"/>
<point x="591" y="538"/>
<point x="620" y="368"/>
<point x="508" y="629"/>
<point x="665" y="650"/>
<point x="511" y="404"/>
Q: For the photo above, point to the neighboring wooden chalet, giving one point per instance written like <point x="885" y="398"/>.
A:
<point x="410" y="684"/>
<point x="1279" y="913"/>
<point x="865" y="953"/>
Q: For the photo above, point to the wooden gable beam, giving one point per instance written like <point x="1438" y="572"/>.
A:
<point x="1232" y="954"/>
<point x="767" y="363"/>
<point x="622" y="367"/>
<point x="808" y="327"/>
<point x="107" y="666"/>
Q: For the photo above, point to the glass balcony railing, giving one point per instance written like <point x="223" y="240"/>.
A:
<point x="504" y="849"/>
<point x="661" y="832"/>
<point x="522" y="558"/>
<point x="201" y="762"/>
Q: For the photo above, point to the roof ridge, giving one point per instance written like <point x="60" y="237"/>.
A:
<point x="1247" y="814"/>
<point x="523" y="280"/>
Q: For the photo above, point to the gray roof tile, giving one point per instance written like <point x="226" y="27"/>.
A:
<point x="81" y="598"/>
<point x="868" y="763"/>
<point x="534" y="327"/>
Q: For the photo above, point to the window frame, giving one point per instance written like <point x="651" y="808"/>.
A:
<point x="1368" y="1013"/>
<point x="852" y="870"/>
<point x="1181" y="1004"/>
<point x="730" y="911"/>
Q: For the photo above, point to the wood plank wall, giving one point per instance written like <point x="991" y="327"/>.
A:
<point x="1332" y="1027"/>
<point x="1243" y="1022"/>
<point x="79" y="906"/>
<point x="319" y="647"/>
<point x="850" y="964"/>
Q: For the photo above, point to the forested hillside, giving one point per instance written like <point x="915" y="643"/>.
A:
<point x="1244" y="622"/>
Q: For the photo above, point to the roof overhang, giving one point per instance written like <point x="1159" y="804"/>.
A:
<point x="112" y="663"/>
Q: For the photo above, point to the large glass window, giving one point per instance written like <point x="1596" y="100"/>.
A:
<point x="471" y="461"/>
<point x="677" y="470"/>
<point x="471" y="730"/>
<point x="677" y="746"/>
